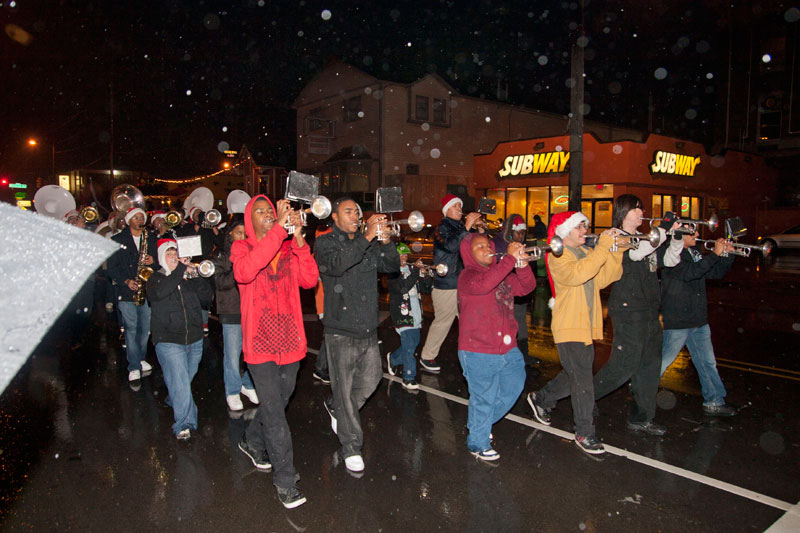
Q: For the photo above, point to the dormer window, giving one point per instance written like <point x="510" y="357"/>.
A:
<point x="421" y="108"/>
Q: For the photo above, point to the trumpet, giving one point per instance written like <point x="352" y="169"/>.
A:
<point x="689" y="225"/>
<point x="173" y="218"/>
<point x="320" y="208"/>
<point x="556" y="247"/>
<point x="627" y="241"/>
<point x="211" y="218"/>
<point x="429" y="270"/>
<point x="415" y="221"/>
<point x="203" y="269"/>
<point x="89" y="214"/>
<point x="740" y="249"/>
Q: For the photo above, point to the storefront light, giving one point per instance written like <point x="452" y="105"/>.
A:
<point x="561" y="200"/>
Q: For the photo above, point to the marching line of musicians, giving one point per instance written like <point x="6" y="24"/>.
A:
<point x="261" y="259"/>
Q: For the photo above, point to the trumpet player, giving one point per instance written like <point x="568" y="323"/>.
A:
<point x="123" y="269"/>
<point x="445" y="289"/>
<point x="576" y="278"/>
<point x="684" y="310"/>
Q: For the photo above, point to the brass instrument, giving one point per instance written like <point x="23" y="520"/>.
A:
<point x="429" y="270"/>
<point x="740" y="249"/>
<point x="689" y="225"/>
<point x="53" y="201"/>
<point x="320" y="208"/>
<point x="89" y="214"/>
<point x="211" y="218"/>
<point x="627" y="241"/>
<point x="143" y="272"/>
<point x="125" y="196"/>
<point x="415" y="221"/>
<point x="556" y="247"/>
<point x="203" y="269"/>
<point x="173" y="218"/>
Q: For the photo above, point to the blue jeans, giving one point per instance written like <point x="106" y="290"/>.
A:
<point x="495" y="382"/>
<point x="698" y="340"/>
<point x="179" y="363"/>
<point x="136" y="319"/>
<point x="404" y="355"/>
<point x="232" y="344"/>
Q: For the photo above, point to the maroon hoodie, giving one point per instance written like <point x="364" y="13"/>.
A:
<point x="486" y="322"/>
<point x="272" y="318"/>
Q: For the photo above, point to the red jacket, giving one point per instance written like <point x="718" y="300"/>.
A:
<point x="272" y="318"/>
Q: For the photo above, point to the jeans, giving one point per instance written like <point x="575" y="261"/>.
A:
<point x="321" y="364"/>
<point x="575" y="381"/>
<point x="635" y="356"/>
<point x="355" y="371"/>
<point x="495" y="382"/>
<point x="698" y="340"/>
<point x="179" y="363"/>
<point x="269" y="429"/>
<point x="136" y="319"/>
<point x="404" y="355"/>
<point x="232" y="344"/>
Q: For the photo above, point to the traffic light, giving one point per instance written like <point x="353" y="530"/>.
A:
<point x="4" y="183"/>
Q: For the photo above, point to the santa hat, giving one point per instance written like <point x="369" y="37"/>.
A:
<point x="518" y="224"/>
<point x="163" y="246"/>
<point x="72" y="213"/>
<point x="158" y="214"/>
<point x="449" y="201"/>
<point x="560" y="225"/>
<point x="192" y="211"/>
<point x="132" y="212"/>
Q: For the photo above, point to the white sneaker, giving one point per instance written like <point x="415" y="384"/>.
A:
<point x="133" y="375"/>
<point x="251" y="395"/>
<point x="183" y="434"/>
<point x="146" y="367"/>
<point x="234" y="402"/>
<point x="354" y="463"/>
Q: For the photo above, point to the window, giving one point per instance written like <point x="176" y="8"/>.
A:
<point x="352" y="109"/>
<point x="315" y="121"/>
<point x="769" y="125"/>
<point x="439" y="114"/>
<point x="412" y="169"/>
<point x="689" y="206"/>
<point x="421" y="108"/>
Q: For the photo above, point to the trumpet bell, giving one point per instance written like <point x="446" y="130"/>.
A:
<point x="441" y="269"/>
<point x="125" y="196"/>
<point x="320" y="207"/>
<point x="212" y="218"/>
<point x="206" y="268"/>
<point x="89" y="214"/>
<point x="556" y="245"/>
<point x="173" y="218"/>
<point x="713" y="223"/>
<point x="416" y="221"/>
<point x="53" y="201"/>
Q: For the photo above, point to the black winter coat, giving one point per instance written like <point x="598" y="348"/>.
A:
<point x="349" y="271"/>
<point x="229" y="307"/>
<point x="123" y="264"/>
<point x="398" y="294"/>
<point x="637" y="295"/>
<point x="446" y="244"/>
<point x="176" y="315"/>
<point x="684" y="303"/>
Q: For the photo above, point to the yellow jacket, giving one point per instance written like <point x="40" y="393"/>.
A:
<point x="571" y="321"/>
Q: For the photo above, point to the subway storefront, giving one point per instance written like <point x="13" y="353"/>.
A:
<point x="531" y="177"/>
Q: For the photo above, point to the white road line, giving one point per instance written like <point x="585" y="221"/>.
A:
<point x="790" y="522"/>
<point x="792" y="510"/>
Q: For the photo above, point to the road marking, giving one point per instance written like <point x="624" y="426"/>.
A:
<point x="791" y="509"/>
<point x="733" y="361"/>
<point x="754" y="371"/>
<point x="790" y="522"/>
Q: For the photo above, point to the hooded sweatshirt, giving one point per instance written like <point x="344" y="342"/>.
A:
<point x="269" y="273"/>
<point x="486" y="302"/>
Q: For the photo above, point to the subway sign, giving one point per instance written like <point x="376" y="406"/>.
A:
<point x="677" y="164"/>
<point x="528" y="164"/>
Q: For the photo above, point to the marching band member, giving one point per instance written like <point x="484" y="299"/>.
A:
<point x="445" y="293"/>
<point x="159" y="222"/>
<point x="633" y="307"/>
<point x="321" y="364"/>
<point x="684" y="309"/>
<point x="576" y="278"/>
<point x="487" y="348"/>
<point x="230" y="316"/>
<point x="270" y="271"/>
<point x="177" y="326"/>
<point x="123" y="269"/>
<point x="349" y="263"/>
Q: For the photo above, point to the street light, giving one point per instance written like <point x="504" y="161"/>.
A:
<point x="226" y="165"/>
<point x="33" y="142"/>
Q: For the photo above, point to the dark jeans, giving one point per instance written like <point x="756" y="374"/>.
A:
<point x="321" y="365"/>
<point x="521" y="314"/>
<point x="355" y="369"/>
<point x="635" y="356"/>
<point x="269" y="429"/>
<point x="575" y="381"/>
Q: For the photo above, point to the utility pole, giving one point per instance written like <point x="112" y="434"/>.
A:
<point x="576" y="99"/>
<point x="111" y="134"/>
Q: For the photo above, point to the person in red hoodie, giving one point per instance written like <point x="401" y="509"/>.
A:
<point x="269" y="270"/>
<point x="487" y="335"/>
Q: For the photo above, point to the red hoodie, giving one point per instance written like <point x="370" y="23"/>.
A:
<point x="486" y="322"/>
<point x="272" y="318"/>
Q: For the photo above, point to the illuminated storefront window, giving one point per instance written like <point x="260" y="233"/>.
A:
<point x="689" y="206"/>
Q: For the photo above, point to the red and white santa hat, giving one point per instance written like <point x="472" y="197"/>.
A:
<point x="163" y="246"/>
<point x="561" y="224"/>
<point x="71" y="213"/>
<point x="157" y="214"/>
<point x="192" y="211"/>
<point x="132" y="212"/>
<point x="518" y="224"/>
<point x="449" y="201"/>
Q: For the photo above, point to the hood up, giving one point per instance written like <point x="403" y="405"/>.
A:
<point x="466" y="251"/>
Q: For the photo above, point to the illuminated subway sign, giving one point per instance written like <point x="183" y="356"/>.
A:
<point x="544" y="163"/>
<point x="669" y="163"/>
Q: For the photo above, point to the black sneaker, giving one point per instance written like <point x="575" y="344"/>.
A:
<point x="430" y="365"/>
<point x="325" y="378"/>
<point x="410" y="384"/>
<point x="649" y="428"/>
<point x="390" y="367"/>
<point x="260" y="460"/>
<point x="291" y="497"/>
<point x="719" y="410"/>
<point x="541" y="414"/>
<point x="590" y="444"/>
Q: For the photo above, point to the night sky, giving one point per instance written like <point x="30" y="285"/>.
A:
<point x="188" y="75"/>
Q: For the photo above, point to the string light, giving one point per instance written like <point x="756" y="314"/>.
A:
<point x="200" y="178"/>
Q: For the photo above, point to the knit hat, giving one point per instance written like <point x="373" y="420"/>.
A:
<point x="560" y="225"/>
<point x="449" y="201"/>
<point x="157" y="214"/>
<point x="132" y="212"/>
<point x="163" y="246"/>
<point x="518" y="224"/>
<point x="403" y="248"/>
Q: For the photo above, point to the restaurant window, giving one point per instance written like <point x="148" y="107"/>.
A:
<point x="559" y="199"/>
<point x="537" y="204"/>
<point x="516" y="202"/>
<point x="439" y="111"/>
<point x="499" y="196"/>
<point x="689" y="206"/>
<point x="421" y="108"/>
<point x="352" y="108"/>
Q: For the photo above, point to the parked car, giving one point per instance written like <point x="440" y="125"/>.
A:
<point x="787" y="239"/>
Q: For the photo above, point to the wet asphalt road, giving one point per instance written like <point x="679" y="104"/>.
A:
<point x="80" y="450"/>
